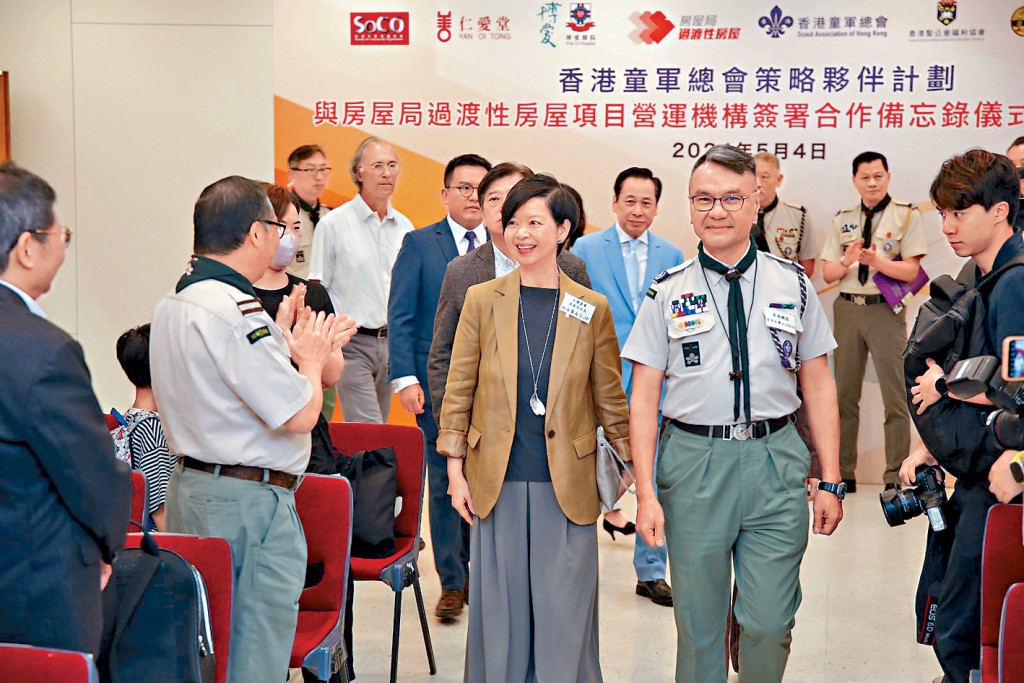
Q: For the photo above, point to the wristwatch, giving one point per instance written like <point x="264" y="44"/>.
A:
<point x="1017" y="468"/>
<point x="942" y="386"/>
<point x="838" y="490"/>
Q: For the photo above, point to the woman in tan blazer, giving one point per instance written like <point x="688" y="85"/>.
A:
<point x="535" y="369"/>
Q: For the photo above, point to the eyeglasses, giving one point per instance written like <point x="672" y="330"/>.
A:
<point x="380" y="166"/>
<point x="321" y="171"/>
<point x="705" y="202"/>
<point x="65" y="231"/>
<point x="465" y="189"/>
<point x="281" y="227"/>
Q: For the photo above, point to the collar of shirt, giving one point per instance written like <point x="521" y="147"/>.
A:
<point x="459" y="233"/>
<point x="364" y="211"/>
<point x="33" y="307"/>
<point x="715" y="278"/>
<point x="623" y="237"/>
<point x="503" y="265"/>
<point x="1011" y="247"/>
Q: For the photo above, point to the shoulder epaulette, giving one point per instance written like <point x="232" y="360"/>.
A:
<point x="784" y="261"/>
<point x="854" y="208"/>
<point x="795" y="206"/>
<point x="249" y="306"/>
<point x="665" y="274"/>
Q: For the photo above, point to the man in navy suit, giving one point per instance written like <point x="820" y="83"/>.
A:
<point x="622" y="261"/>
<point x="64" y="497"/>
<point x="412" y="304"/>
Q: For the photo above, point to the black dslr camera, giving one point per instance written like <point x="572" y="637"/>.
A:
<point x="927" y="496"/>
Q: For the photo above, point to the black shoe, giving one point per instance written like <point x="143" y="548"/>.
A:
<point x="659" y="592"/>
<point x="890" y="486"/>
<point x="627" y="530"/>
<point x="851" y="485"/>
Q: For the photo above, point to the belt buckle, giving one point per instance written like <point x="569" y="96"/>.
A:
<point x="382" y="332"/>
<point x="739" y="432"/>
<point x="860" y="300"/>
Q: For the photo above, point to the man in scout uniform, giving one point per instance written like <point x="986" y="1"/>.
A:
<point x="240" y="415"/>
<point x="308" y="175"/>
<point x="730" y="333"/>
<point x="781" y="228"/>
<point x="876" y="239"/>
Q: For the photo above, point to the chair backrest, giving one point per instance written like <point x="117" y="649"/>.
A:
<point x="1011" y="639"/>
<point x="212" y="559"/>
<point x="140" y="501"/>
<point x="352" y="437"/>
<point x="111" y="421"/>
<point x="1002" y="565"/>
<point x="28" y="664"/>
<point x="324" y="505"/>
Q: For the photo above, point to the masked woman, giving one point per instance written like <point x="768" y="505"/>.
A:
<point x="535" y="369"/>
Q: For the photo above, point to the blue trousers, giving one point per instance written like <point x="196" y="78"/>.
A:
<point x="449" y="533"/>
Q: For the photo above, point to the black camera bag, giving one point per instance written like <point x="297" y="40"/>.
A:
<point x="374" y="478"/>
<point x="952" y="326"/>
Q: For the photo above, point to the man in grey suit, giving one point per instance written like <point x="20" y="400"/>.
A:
<point x="490" y="260"/>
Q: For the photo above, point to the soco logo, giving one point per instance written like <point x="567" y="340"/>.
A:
<point x="380" y="28"/>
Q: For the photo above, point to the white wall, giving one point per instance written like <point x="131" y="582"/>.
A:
<point x="129" y="108"/>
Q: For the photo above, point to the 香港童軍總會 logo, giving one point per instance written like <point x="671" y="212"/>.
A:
<point x="775" y="22"/>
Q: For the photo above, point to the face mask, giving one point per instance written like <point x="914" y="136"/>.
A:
<point x="285" y="252"/>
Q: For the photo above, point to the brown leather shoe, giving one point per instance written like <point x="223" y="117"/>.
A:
<point x="450" y="605"/>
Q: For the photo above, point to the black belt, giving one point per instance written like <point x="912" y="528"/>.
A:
<point x="739" y="432"/>
<point x="260" y="474"/>
<point x="864" y="299"/>
<point x="378" y="332"/>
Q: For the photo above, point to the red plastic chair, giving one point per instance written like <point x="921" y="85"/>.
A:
<point x="324" y="505"/>
<point x="140" y="501"/>
<point x="212" y="559"/>
<point x="1011" y="638"/>
<point x="1002" y="565"/>
<point x="398" y="570"/>
<point x="28" y="664"/>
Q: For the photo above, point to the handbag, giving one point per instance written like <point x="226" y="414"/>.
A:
<point x="374" y="478"/>
<point x="615" y="476"/>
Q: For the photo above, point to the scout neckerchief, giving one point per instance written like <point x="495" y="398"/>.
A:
<point x="862" y="270"/>
<point x="760" y="239"/>
<point x="313" y="211"/>
<point x="202" y="268"/>
<point x="737" y="328"/>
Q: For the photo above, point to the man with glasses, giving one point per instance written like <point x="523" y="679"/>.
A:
<point x="64" y="497"/>
<point x="738" y="328"/>
<point x="354" y="250"/>
<point x="877" y="238"/>
<point x="415" y="288"/>
<point x="308" y="174"/>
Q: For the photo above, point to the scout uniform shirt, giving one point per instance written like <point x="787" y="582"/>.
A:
<point x="681" y="330"/>
<point x="788" y="233"/>
<point x="222" y="374"/>
<point x="299" y="267"/>
<point x="897" y="231"/>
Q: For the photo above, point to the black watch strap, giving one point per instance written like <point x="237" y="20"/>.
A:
<point x="942" y="386"/>
<point x="838" y="490"/>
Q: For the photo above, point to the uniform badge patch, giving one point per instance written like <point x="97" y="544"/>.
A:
<point x="257" y="334"/>
<point x="652" y="292"/>
<point x="691" y="354"/>
<point x="690" y="304"/>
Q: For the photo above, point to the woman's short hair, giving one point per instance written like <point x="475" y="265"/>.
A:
<point x="133" y="355"/>
<point x="280" y="198"/>
<point x="559" y="200"/>
<point x="502" y="170"/>
<point x="976" y="177"/>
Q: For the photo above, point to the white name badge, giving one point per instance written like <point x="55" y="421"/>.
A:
<point x="577" y="308"/>
<point x="690" y="324"/>
<point x="781" y="319"/>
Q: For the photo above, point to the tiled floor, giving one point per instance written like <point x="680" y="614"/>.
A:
<point x="856" y="623"/>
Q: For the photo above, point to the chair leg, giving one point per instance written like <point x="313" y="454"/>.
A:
<point x="394" y="636"/>
<point x="423" y="622"/>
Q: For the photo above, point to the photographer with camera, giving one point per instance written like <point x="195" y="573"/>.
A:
<point x="977" y="197"/>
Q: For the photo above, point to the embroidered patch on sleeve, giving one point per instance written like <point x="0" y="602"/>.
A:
<point x="257" y="334"/>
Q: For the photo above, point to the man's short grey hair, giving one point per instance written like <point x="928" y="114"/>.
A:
<point x="26" y="204"/>
<point x="733" y="158"/>
<point x="357" y="159"/>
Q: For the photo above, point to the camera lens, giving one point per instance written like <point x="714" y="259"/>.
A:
<point x="899" y="505"/>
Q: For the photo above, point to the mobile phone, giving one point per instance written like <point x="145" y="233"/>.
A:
<point x="1013" y="359"/>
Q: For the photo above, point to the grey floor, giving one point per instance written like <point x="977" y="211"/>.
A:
<point x="856" y="623"/>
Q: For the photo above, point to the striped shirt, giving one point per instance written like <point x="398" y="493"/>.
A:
<point x="149" y="453"/>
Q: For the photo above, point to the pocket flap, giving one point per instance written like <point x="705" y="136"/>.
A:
<point x="473" y="438"/>
<point x="585" y="445"/>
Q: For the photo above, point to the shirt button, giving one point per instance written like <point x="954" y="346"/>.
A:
<point x="551" y="433"/>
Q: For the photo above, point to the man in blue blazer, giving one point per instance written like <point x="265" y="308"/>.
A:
<point x="622" y="261"/>
<point x="412" y="304"/>
<point x="64" y="497"/>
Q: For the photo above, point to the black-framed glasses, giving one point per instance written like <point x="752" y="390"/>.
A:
<point x="705" y="202"/>
<point x="465" y="189"/>
<point x="323" y="170"/>
<point x="281" y="227"/>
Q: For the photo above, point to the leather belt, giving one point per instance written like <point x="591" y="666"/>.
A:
<point x="738" y="432"/>
<point x="260" y="474"/>
<point x="863" y="299"/>
<point x="378" y="332"/>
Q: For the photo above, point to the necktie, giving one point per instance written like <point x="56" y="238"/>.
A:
<point x="758" y="232"/>
<point x="862" y="270"/>
<point x="737" y="329"/>
<point x="471" y="238"/>
<point x="633" y="273"/>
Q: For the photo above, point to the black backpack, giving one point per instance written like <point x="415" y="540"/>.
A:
<point x="950" y="327"/>
<point x="156" y="618"/>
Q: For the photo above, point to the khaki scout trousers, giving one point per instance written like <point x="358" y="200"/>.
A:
<point x="860" y="330"/>
<point x="744" y="503"/>
<point x="260" y="523"/>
